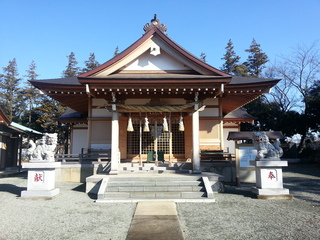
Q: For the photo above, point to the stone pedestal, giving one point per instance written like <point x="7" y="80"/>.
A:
<point x="269" y="180"/>
<point x="41" y="179"/>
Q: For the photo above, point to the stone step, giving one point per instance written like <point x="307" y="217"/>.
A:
<point x="150" y="187"/>
<point x="155" y="189"/>
<point x="144" y="169"/>
<point x="112" y="183"/>
<point x="157" y="178"/>
<point x="154" y="195"/>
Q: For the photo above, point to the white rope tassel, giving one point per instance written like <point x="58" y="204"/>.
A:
<point x="165" y="125"/>
<point x="181" y="126"/>
<point x="130" y="126"/>
<point x="146" y="125"/>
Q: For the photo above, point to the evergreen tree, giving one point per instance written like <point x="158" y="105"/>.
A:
<point x="241" y="70"/>
<point x="231" y="59"/>
<point x="71" y="70"/>
<point x="256" y="59"/>
<point x="90" y="64"/>
<point x="46" y="113"/>
<point x="9" y="90"/>
<point x="32" y="95"/>
<point x="312" y="100"/>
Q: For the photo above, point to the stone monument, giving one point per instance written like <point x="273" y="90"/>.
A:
<point x="41" y="168"/>
<point x="269" y="180"/>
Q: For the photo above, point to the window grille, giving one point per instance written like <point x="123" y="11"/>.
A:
<point x="148" y="138"/>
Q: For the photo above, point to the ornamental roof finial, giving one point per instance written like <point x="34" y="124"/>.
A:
<point x="155" y="23"/>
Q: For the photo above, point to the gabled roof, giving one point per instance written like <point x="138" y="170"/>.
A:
<point x="123" y="77"/>
<point x="165" y="41"/>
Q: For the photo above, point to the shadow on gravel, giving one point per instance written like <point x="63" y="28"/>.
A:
<point x="10" y="188"/>
<point x="303" y="188"/>
<point x="22" y="175"/>
<point x="303" y="181"/>
<point x="244" y="189"/>
<point x="82" y="188"/>
<point x="303" y="168"/>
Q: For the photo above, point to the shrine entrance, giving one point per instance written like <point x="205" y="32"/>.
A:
<point x="160" y="140"/>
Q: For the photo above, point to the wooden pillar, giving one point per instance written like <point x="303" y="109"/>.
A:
<point x="140" y="140"/>
<point x="195" y="141"/>
<point x="89" y="122"/>
<point x="114" y="141"/>
<point x="156" y="140"/>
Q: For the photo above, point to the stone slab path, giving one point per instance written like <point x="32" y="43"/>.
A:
<point x="155" y="220"/>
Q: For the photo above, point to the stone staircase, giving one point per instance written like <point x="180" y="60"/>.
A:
<point x="138" y="187"/>
<point x="151" y="182"/>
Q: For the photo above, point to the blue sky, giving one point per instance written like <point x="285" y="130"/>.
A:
<point x="48" y="31"/>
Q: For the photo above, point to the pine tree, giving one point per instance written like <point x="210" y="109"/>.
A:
<point x="32" y="95"/>
<point x="9" y="90"/>
<point x="241" y="70"/>
<point x="256" y="59"/>
<point x="231" y="59"/>
<point x="71" y="70"/>
<point x="90" y="64"/>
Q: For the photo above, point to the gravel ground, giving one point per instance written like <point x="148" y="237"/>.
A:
<point x="236" y="214"/>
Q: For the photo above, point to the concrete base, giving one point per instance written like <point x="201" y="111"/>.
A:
<point x="269" y="180"/>
<point x="272" y="193"/>
<point x="40" y="194"/>
<point x="114" y="172"/>
<point x="41" y="180"/>
<point x="275" y="197"/>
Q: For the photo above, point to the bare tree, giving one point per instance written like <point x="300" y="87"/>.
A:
<point x="299" y="71"/>
<point x="284" y="94"/>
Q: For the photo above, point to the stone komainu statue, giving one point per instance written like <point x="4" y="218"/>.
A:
<point x="43" y="149"/>
<point x="265" y="150"/>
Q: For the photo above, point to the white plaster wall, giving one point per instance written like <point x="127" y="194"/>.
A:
<point x="79" y="140"/>
<point x="101" y="113"/>
<point x="229" y="144"/>
<point x="147" y="62"/>
<point x="209" y="112"/>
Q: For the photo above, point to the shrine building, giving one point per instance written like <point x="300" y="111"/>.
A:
<point x="154" y="101"/>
